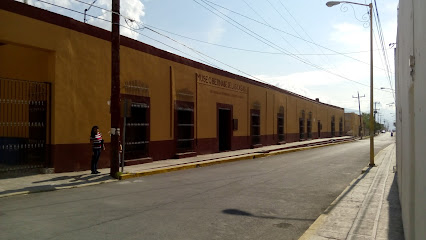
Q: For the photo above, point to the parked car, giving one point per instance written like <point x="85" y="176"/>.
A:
<point x="383" y="131"/>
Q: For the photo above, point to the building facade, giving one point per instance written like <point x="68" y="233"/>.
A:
<point x="352" y="125"/>
<point x="58" y="70"/>
<point x="410" y="76"/>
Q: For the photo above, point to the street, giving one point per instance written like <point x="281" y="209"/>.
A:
<point x="276" y="197"/>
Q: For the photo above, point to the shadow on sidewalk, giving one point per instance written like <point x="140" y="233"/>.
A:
<point x="348" y="191"/>
<point x="395" y="227"/>
<point x="55" y="183"/>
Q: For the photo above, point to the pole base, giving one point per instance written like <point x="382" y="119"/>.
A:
<point x="371" y="165"/>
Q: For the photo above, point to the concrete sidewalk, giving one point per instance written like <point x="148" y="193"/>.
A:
<point x="369" y="208"/>
<point x="56" y="181"/>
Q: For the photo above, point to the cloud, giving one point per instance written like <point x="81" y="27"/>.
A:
<point x="217" y="30"/>
<point x="300" y="83"/>
<point x="131" y="12"/>
<point x="129" y="9"/>
<point x="351" y="36"/>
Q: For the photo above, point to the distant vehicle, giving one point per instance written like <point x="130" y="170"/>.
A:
<point x="383" y="131"/>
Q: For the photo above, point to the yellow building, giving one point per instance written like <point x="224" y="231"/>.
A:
<point x="352" y="125"/>
<point x="58" y="70"/>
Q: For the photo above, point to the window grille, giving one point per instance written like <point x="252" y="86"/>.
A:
<point x="137" y="131"/>
<point x="185" y="129"/>
<point x="255" y="128"/>
<point x="280" y="126"/>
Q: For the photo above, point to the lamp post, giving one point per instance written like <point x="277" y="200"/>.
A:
<point x="334" y="3"/>
<point x="87" y="9"/>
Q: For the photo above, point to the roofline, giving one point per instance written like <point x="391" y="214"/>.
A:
<point x="70" y="23"/>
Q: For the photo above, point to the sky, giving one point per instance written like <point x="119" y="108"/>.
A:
<point x="302" y="46"/>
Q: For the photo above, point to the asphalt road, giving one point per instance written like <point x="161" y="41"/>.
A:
<point x="276" y="197"/>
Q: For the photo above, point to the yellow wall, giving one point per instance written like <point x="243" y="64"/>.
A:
<point x="352" y="124"/>
<point x="19" y="62"/>
<point x="209" y="94"/>
<point x="79" y="68"/>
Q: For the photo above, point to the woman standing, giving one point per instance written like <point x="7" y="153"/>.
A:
<point x="97" y="145"/>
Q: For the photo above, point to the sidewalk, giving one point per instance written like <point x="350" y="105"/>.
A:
<point x="368" y="208"/>
<point x="57" y="181"/>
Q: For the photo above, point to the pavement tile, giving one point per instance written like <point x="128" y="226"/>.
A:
<point x="350" y="204"/>
<point x="359" y="237"/>
<point x="338" y="210"/>
<point x="315" y="237"/>
<point x="332" y="224"/>
<point x="341" y="234"/>
<point x="368" y="213"/>
<point x="371" y="201"/>
<point x="363" y="227"/>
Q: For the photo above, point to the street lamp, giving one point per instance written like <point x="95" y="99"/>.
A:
<point x="334" y="3"/>
<point x="87" y="9"/>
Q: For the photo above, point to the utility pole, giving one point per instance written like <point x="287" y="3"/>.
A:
<point x="360" y="115"/>
<point x="115" y="87"/>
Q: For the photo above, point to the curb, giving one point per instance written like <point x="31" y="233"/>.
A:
<point x="222" y="160"/>
<point x="182" y="167"/>
<point x="304" y="148"/>
<point x="321" y="219"/>
<point x="189" y="166"/>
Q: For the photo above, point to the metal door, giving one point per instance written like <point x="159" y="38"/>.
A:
<point x="24" y="124"/>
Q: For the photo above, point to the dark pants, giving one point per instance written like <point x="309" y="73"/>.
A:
<point x="95" y="159"/>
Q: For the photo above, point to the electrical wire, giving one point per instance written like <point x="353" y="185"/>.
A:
<point x="306" y="33"/>
<point x="285" y="20"/>
<point x="266" y="22"/>
<point x="255" y="51"/>
<point x="287" y="33"/>
<point x="198" y="51"/>
<point x="385" y="56"/>
<point x="72" y="10"/>
<point x="273" y="45"/>
<point x="299" y="36"/>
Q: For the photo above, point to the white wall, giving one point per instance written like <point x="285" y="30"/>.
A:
<point x="411" y="116"/>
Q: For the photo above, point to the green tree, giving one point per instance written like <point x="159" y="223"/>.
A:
<point x="366" y="123"/>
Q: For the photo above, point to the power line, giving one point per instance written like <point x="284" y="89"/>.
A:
<point x="300" y="26"/>
<point x="273" y="45"/>
<point x="255" y="51"/>
<point x="299" y="37"/>
<point x="200" y="52"/>
<point x="130" y="28"/>
<point x="280" y="30"/>
<point x="72" y="10"/>
<point x="291" y="45"/>
<point x="205" y="55"/>
<point x="386" y="59"/>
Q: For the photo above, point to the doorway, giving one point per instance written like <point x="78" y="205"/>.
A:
<point x="24" y="124"/>
<point x="224" y="129"/>
<point x="319" y="129"/>
<point x="301" y="129"/>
